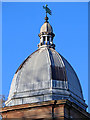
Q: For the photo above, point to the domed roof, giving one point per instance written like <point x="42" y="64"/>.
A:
<point x="46" y="27"/>
<point x="45" y="75"/>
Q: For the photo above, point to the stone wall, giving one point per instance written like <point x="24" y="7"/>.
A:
<point x="60" y="110"/>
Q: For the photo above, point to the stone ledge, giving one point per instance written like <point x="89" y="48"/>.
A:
<point x="26" y="106"/>
<point x="43" y="105"/>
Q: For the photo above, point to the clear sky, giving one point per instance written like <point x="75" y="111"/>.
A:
<point x="21" y="24"/>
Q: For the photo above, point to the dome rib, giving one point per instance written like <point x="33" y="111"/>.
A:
<point x="46" y="27"/>
<point x="57" y="66"/>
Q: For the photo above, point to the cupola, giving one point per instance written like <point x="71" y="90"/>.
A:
<point x="46" y="35"/>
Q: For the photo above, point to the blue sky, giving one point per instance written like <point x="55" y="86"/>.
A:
<point x="21" y="24"/>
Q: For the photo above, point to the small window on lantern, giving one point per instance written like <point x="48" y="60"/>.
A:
<point x="44" y="40"/>
<point x="47" y="38"/>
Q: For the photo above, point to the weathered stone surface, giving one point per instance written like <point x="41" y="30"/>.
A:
<point x="59" y="110"/>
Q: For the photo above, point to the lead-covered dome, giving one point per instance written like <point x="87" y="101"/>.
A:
<point x="46" y="27"/>
<point x="45" y="75"/>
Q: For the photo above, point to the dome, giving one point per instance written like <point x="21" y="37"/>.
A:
<point x="46" y="27"/>
<point x="45" y="75"/>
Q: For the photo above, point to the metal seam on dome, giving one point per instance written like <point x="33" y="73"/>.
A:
<point x="55" y="70"/>
<point x="50" y="67"/>
<point x="64" y="69"/>
<point x="60" y="67"/>
<point x="47" y="27"/>
<point x="49" y="62"/>
<point x="59" y="57"/>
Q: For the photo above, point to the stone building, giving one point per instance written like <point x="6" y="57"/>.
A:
<point x="45" y="86"/>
